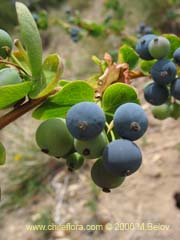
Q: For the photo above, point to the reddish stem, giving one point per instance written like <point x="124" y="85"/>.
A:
<point x="24" y="108"/>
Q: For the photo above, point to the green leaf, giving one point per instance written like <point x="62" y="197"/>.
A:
<point x="2" y="154"/>
<point x="10" y="94"/>
<point x="42" y="20"/>
<point x="93" y="79"/>
<point x="128" y="55"/>
<point x="50" y="66"/>
<point x="174" y="42"/>
<point x="114" y="54"/>
<point x="30" y="39"/>
<point x="116" y="25"/>
<point x="96" y="60"/>
<point x="146" y="65"/>
<point x="116" y="95"/>
<point x="101" y="63"/>
<point x="63" y="82"/>
<point x="20" y="57"/>
<point x="73" y="93"/>
<point x="130" y="41"/>
<point x="50" y="110"/>
<point x="59" y="104"/>
<point x="51" y="71"/>
<point x="96" y="29"/>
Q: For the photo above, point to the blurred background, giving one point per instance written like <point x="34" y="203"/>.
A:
<point x="38" y="189"/>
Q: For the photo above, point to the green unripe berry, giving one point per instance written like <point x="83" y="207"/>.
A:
<point x="103" y="178"/>
<point x="5" y="44"/>
<point x="9" y="76"/>
<point x="53" y="137"/>
<point x="161" y="112"/>
<point x="175" y="110"/>
<point x="93" y="148"/>
<point x="74" y="161"/>
<point x="2" y="154"/>
<point x="159" y="47"/>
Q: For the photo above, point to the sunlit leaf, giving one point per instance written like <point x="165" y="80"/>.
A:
<point x="10" y="94"/>
<point x="59" y="104"/>
<point x="128" y="55"/>
<point x="116" y="95"/>
<point x="51" y="71"/>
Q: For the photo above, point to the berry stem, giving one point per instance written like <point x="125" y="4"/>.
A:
<point x="24" y="108"/>
<point x="109" y="130"/>
<point x="136" y="74"/>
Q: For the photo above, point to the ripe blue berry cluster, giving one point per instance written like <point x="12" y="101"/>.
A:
<point x="163" y="72"/>
<point x="82" y="136"/>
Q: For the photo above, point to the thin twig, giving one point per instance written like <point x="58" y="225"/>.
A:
<point x="12" y="64"/>
<point x="24" y="108"/>
<point x="136" y="74"/>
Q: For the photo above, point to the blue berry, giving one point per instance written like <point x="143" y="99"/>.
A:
<point x="85" y="120"/>
<point x="74" y="33"/>
<point x="36" y="17"/>
<point x="142" y="46"/>
<point x="122" y="157"/>
<point x="75" y="38"/>
<point x="130" y="121"/>
<point x="156" y="94"/>
<point x="144" y="29"/>
<point x="163" y="72"/>
<point x="148" y="30"/>
<point x="68" y="11"/>
<point x="176" y="56"/>
<point x="175" y="89"/>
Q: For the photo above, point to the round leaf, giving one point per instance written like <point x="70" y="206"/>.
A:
<point x="74" y="92"/>
<point x="128" y="55"/>
<point x="116" y="95"/>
